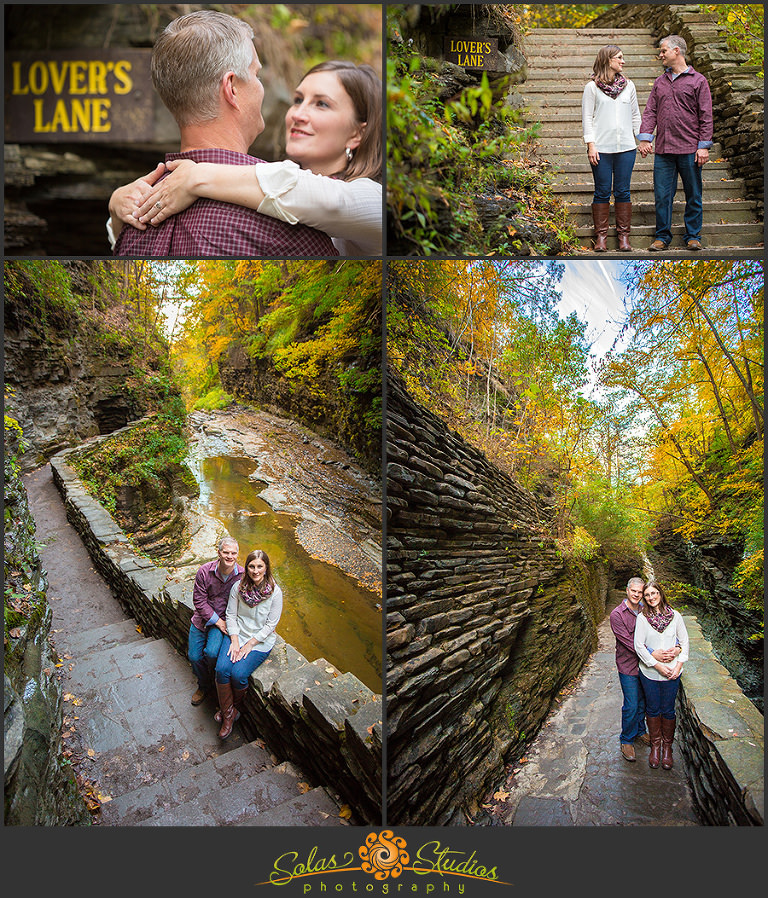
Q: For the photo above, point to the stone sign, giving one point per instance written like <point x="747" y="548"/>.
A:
<point x="472" y="54"/>
<point x="75" y="96"/>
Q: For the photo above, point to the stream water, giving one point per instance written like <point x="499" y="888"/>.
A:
<point x="326" y="614"/>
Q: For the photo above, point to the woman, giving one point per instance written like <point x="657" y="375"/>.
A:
<point x="253" y="611"/>
<point x="610" y="120"/>
<point x="660" y="627"/>
<point x="331" y="180"/>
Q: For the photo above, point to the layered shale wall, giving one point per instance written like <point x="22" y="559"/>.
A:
<point x="486" y="623"/>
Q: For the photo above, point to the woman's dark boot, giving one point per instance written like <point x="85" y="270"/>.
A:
<point x="654" y="731"/>
<point x="226" y="704"/>
<point x="601" y="213"/>
<point x="667" y="738"/>
<point x="623" y="212"/>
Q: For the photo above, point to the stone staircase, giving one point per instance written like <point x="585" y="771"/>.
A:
<point x="153" y="758"/>
<point x="559" y="64"/>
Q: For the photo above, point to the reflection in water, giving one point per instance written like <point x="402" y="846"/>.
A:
<point x="325" y="613"/>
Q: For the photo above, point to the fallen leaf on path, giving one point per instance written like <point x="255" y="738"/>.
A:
<point x="15" y="632"/>
<point x="346" y="812"/>
<point x="68" y="697"/>
<point x="162" y="748"/>
<point x="304" y="787"/>
<point x="501" y="795"/>
<point x="91" y="753"/>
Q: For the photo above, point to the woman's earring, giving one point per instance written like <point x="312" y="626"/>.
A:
<point x="348" y="154"/>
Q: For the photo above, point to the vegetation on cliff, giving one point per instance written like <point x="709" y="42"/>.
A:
<point x="312" y="328"/>
<point x="460" y="176"/>
<point x="674" y="430"/>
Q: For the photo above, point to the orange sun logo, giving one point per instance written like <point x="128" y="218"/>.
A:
<point x="384" y="854"/>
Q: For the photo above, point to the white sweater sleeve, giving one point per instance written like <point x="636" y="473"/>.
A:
<point x="350" y="210"/>
<point x="682" y="637"/>
<point x="231" y="613"/>
<point x="636" y="117"/>
<point x="641" y="630"/>
<point x="273" y="618"/>
<point x="588" y="112"/>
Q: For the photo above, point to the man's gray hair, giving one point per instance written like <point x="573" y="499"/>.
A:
<point x="228" y="539"/>
<point x="674" y="40"/>
<point x="190" y="58"/>
<point x="633" y="580"/>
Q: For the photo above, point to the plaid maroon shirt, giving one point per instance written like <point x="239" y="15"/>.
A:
<point x="212" y="228"/>
<point x="680" y="110"/>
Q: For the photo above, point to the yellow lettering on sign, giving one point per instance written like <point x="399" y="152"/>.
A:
<point x="38" y="78"/>
<point x="121" y="73"/>
<point x="97" y="77"/>
<point x="91" y="115"/>
<point x="17" y="89"/>
<point x="77" y="76"/>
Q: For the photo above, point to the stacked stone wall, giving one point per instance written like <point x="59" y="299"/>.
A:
<point x="738" y="93"/>
<point x="322" y="719"/>
<point x="721" y="738"/>
<point x="486" y="621"/>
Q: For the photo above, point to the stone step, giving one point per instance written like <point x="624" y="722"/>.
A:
<point x="104" y="638"/>
<point x="644" y="213"/>
<point x="573" y="144"/>
<point x="715" y="194"/>
<point x="574" y="72"/>
<point x="712" y="235"/>
<point x="715" y="170"/>
<point x="273" y="793"/>
<point x="545" y="36"/>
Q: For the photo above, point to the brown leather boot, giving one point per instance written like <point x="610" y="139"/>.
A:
<point x="237" y="700"/>
<point x="623" y="212"/>
<point x="226" y="704"/>
<point x="601" y="213"/>
<point x="667" y="738"/>
<point x="654" y="731"/>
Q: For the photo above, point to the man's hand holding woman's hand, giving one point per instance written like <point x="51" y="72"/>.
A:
<point x="173" y="194"/>
<point x="125" y="200"/>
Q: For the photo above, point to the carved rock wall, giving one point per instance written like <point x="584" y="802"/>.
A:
<point x="485" y="625"/>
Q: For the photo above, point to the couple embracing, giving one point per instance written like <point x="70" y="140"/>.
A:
<point x="651" y="647"/>
<point x="679" y="109"/>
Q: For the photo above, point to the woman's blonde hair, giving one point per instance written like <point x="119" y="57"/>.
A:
<point x="601" y="70"/>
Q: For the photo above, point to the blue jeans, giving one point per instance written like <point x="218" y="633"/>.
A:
<point x="660" y="696"/>
<point x="239" y="672"/>
<point x="666" y="168"/>
<point x="613" y="169"/>
<point x="202" y="651"/>
<point x="633" y="709"/>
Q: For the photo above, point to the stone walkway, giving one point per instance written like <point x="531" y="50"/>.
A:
<point x="151" y="758"/>
<point x="574" y="774"/>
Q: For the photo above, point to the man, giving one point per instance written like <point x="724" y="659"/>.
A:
<point x="213" y="583"/>
<point x="679" y="107"/>
<point x="206" y="71"/>
<point x="623" y="619"/>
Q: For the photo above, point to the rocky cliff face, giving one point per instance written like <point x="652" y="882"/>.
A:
<point x="318" y="404"/>
<point x="486" y="622"/>
<point x="40" y="789"/>
<point x="64" y="381"/>
<point x="709" y="565"/>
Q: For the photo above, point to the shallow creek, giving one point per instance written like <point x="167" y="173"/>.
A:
<point x="326" y="613"/>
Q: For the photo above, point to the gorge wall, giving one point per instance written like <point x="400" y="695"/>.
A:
<point x="65" y="380"/>
<point x="39" y="786"/>
<point x="486" y="621"/>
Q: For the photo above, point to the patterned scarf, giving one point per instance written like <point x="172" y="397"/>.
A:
<point x="256" y="595"/>
<point x="660" y="620"/>
<point x="614" y="88"/>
